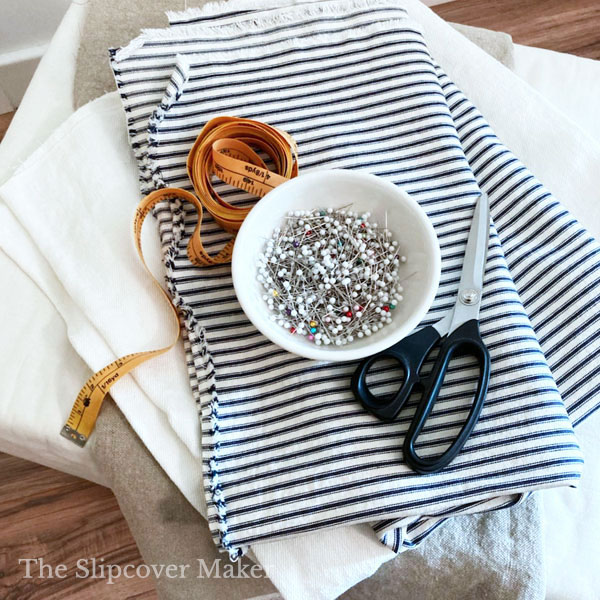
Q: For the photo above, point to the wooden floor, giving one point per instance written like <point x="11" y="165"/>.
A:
<point x="44" y="513"/>
<point x="571" y="26"/>
<point x="5" y="120"/>
<point x="48" y="514"/>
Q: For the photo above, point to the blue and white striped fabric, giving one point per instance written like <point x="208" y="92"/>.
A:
<point x="286" y="448"/>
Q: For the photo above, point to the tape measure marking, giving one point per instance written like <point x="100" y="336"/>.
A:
<point x="223" y="148"/>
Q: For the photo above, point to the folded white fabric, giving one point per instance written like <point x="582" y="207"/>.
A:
<point x="355" y="84"/>
<point x="81" y="236"/>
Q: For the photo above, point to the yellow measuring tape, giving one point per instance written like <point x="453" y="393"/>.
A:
<point x="226" y="148"/>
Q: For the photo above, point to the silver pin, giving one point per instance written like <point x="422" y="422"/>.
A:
<point x="329" y="275"/>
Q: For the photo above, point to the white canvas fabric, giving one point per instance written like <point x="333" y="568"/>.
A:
<point x="375" y="101"/>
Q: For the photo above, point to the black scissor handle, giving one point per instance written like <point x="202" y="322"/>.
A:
<point x="410" y="353"/>
<point x="467" y="339"/>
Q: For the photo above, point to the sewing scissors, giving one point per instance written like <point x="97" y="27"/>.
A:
<point x="457" y="334"/>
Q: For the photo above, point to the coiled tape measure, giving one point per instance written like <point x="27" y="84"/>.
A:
<point x="225" y="148"/>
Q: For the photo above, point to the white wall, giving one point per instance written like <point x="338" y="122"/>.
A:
<point x="26" y="28"/>
<point x="27" y="23"/>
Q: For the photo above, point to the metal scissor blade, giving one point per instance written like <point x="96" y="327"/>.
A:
<point x="477" y="246"/>
<point x="471" y="279"/>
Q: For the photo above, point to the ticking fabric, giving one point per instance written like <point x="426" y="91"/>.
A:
<point x="286" y="448"/>
<point x="103" y="29"/>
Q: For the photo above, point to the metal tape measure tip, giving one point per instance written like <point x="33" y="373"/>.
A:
<point x="74" y="436"/>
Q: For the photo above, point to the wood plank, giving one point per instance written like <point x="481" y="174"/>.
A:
<point x="565" y="26"/>
<point x="60" y="518"/>
<point x="5" y="120"/>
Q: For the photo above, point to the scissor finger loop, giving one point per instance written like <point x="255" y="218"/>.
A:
<point x="458" y="330"/>
<point x="410" y="353"/>
<point x="465" y="340"/>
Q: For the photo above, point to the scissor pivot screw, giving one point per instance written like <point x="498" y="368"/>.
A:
<point x="469" y="297"/>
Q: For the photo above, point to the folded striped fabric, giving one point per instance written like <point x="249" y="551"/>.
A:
<point x="286" y="448"/>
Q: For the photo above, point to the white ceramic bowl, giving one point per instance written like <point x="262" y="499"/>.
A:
<point x="323" y="189"/>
